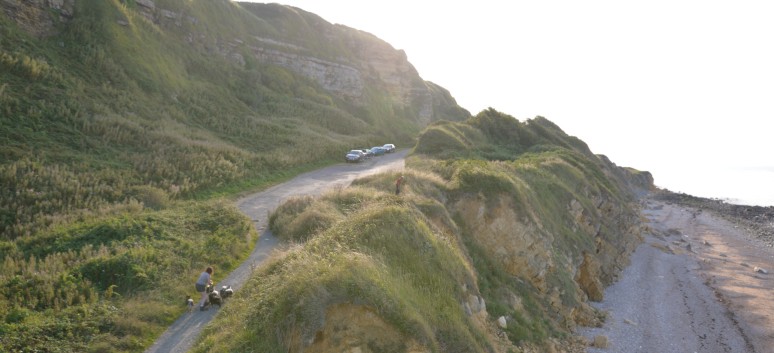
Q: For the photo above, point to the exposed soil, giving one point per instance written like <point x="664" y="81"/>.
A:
<point x="701" y="281"/>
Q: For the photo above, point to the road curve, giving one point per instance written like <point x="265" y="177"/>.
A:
<point x="182" y="335"/>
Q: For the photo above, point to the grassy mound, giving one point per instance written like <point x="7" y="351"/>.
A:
<point x="382" y="253"/>
<point x="425" y="261"/>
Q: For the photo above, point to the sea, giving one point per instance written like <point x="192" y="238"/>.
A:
<point x="742" y="186"/>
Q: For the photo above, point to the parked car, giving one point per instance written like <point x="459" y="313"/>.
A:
<point x="389" y="147"/>
<point x="355" y="156"/>
<point x="367" y="152"/>
<point x="378" y="151"/>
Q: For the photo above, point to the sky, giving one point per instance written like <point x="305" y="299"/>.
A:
<point x="683" y="89"/>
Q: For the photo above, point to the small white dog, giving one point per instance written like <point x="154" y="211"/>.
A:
<point x="190" y="303"/>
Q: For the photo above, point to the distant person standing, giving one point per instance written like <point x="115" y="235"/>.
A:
<point x="398" y="183"/>
<point x="205" y="279"/>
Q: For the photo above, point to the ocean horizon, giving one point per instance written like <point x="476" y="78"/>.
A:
<point x="750" y="186"/>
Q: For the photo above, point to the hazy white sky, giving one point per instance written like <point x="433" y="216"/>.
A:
<point x="683" y="89"/>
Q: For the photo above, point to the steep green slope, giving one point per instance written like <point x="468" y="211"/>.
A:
<point x="498" y="219"/>
<point x="123" y="121"/>
<point x="187" y="97"/>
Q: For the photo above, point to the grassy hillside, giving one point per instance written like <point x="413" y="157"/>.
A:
<point x="114" y="101"/>
<point x="124" y="127"/>
<point x="412" y="272"/>
<point x="113" y="283"/>
<point x="121" y="129"/>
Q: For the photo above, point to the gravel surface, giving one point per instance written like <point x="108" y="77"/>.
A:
<point x="183" y="333"/>
<point x="676" y="296"/>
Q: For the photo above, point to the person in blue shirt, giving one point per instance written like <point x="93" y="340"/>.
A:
<point x="205" y="279"/>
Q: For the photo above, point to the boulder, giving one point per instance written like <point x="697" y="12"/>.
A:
<point x="588" y="278"/>
<point x="600" y="341"/>
<point x="501" y="322"/>
<point x="146" y="3"/>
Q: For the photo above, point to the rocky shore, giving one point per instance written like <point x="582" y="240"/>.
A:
<point x="700" y="282"/>
<point x="757" y="221"/>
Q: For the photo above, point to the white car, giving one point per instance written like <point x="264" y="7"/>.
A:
<point x="389" y="147"/>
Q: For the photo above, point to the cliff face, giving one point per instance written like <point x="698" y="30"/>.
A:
<point x="344" y="80"/>
<point x="38" y="17"/>
<point x="513" y="239"/>
<point x="360" y="69"/>
<point x="264" y="80"/>
<point x="363" y="62"/>
<point x="531" y="237"/>
<point x="599" y="233"/>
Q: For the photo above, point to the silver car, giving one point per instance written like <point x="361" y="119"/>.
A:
<point x="355" y="156"/>
<point x="389" y="148"/>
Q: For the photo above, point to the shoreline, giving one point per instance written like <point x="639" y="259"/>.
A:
<point x="701" y="281"/>
<point x="757" y="221"/>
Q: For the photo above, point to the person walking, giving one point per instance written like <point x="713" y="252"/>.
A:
<point x="205" y="279"/>
<point x="398" y="182"/>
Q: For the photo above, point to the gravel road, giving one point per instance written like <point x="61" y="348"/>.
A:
<point x="182" y="335"/>
<point x="670" y="298"/>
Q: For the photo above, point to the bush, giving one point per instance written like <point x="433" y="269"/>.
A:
<point x="124" y="271"/>
<point x="151" y="197"/>
<point x="442" y="139"/>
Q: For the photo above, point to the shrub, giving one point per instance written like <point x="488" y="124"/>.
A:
<point x="151" y="197"/>
<point x="124" y="271"/>
<point x="475" y="176"/>
<point x="442" y="139"/>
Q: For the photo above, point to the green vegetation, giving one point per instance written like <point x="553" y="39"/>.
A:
<point x="121" y="131"/>
<point x="93" y="113"/>
<point x="414" y="259"/>
<point x="112" y="283"/>
<point x="382" y="252"/>
<point x="124" y="133"/>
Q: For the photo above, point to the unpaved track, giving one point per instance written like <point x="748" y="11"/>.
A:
<point x="181" y="336"/>
<point x="691" y="287"/>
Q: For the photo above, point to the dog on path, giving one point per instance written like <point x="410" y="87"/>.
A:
<point x="190" y="303"/>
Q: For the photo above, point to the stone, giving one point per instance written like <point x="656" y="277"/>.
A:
<point x="146" y="3"/>
<point x="466" y="308"/>
<point x="600" y="341"/>
<point x="588" y="278"/>
<point x="501" y="322"/>
<point x="38" y="18"/>
<point x="169" y="14"/>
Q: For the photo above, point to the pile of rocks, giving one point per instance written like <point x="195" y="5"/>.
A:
<point x="757" y="220"/>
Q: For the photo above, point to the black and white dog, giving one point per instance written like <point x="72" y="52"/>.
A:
<point x="213" y="297"/>
<point x="217" y="297"/>
<point x="226" y="292"/>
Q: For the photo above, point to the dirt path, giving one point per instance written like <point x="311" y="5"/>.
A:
<point x="691" y="287"/>
<point x="183" y="333"/>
